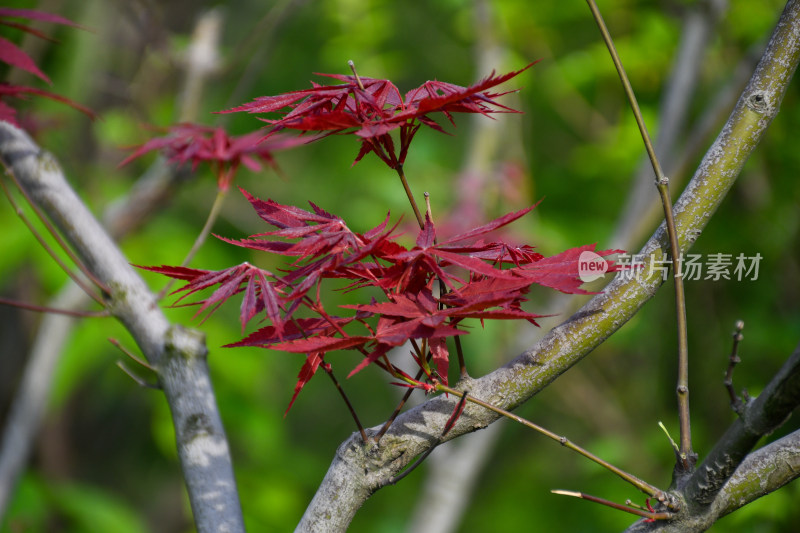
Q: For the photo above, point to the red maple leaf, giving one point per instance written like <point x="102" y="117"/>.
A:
<point x="560" y="271"/>
<point x="225" y="153"/>
<point x="309" y="368"/>
<point x="13" y="55"/>
<point x="325" y="243"/>
<point x="372" y="108"/>
<point x="260" y="294"/>
<point x="9" y="114"/>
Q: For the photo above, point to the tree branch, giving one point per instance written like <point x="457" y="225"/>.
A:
<point x="357" y="470"/>
<point x="179" y="355"/>
<point x="730" y="477"/>
<point x="762" y="472"/>
<point x="759" y="417"/>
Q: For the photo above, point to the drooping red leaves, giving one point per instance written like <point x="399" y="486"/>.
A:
<point x="484" y="281"/>
<point x="186" y="142"/>
<point x="260" y="294"/>
<point x="7" y="91"/>
<point x="13" y="55"/>
<point x="306" y="373"/>
<point x="372" y="108"/>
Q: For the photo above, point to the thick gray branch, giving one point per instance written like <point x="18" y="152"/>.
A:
<point x="178" y="355"/>
<point x="358" y="470"/>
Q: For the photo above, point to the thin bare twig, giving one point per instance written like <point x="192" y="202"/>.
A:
<point x="219" y="200"/>
<point x="641" y="208"/>
<point x="45" y="309"/>
<point x="410" y="196"/>
<point x="643" y="486"/>
<point x="638" y="511"/>
<point x="138" y="380"/>
<point x="43" y="243"/>
<point x="687" y="458"/>
<point x="131" y="355"/>
<point x="736" y="402"/>
<point x="327" y="368"/>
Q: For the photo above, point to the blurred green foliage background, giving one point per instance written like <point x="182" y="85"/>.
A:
<point x="106" y="461"/>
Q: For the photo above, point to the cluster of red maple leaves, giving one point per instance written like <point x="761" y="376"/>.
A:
<point x="427" y="292"/>
<point x="422" y="295"/>
<point x="373" y="108"/>
<point x="225" y="153"/>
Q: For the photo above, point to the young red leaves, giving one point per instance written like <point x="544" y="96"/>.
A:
<point x="260" y="295"/>
<point x="214" y="146"/>
<point x="16" y="57"/>
<point x="485" y="281"/>
<point x="372" y="108"/>
<point x="9" y="114"/>
<point x="11" y="53"/>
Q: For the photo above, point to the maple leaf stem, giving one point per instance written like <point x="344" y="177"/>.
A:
<point x="329" y="371"/>
<point x="397" y="410"/>
<point x="353" y="68"/>
<point x="686" y="458"/>
<point x="52" y="231"/>
<point x="643" y="486"/>
<point x="138" y="360"/>
<point x="201" y="237"/>
<point x="45" y="309"/>
<point x="462" y="366"/>
<point x="420" y="220"/>
<point x="423" y="355"/>
<point x="317" y="308"/>
<point x="651" y="515"/>
<point x="423" y="370"/>
<point x="138" y="380"/>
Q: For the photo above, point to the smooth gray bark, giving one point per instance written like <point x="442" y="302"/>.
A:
<point x="177" y="354"/>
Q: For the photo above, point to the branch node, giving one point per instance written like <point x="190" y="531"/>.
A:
<point x="758" y="102"/>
